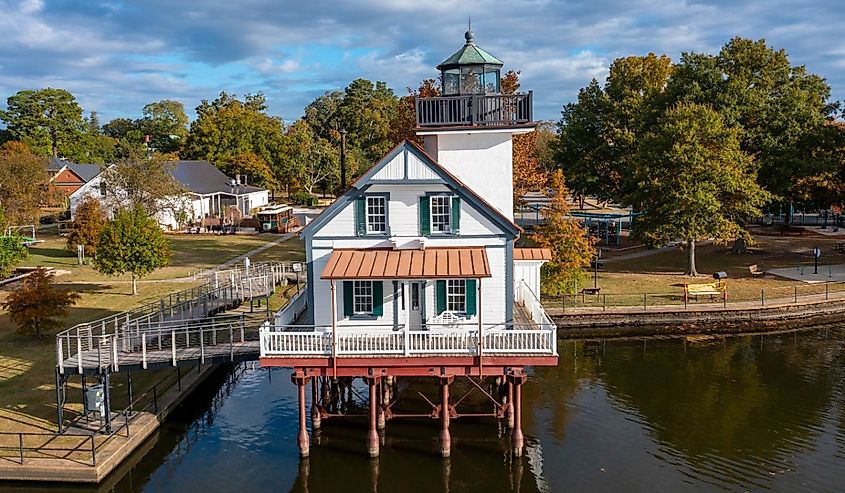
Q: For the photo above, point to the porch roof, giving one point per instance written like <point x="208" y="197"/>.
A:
<point x="532" y="254"/>
<point x="431" y="263"/>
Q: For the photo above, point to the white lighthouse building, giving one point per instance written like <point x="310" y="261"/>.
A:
<point x="413" y="271"/>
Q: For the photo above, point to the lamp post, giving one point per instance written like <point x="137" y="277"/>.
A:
<point x="817" y="252"/>
<point x="596" y="269"/>
<point x="342" y="160"/>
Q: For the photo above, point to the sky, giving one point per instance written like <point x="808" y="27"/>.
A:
<point x="116" y="56"/>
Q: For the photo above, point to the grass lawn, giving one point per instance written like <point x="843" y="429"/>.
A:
<point x="27" y="389"/>
<point x="626" y="279"/>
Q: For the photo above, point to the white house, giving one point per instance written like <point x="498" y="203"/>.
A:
<point x="208" y="193"/>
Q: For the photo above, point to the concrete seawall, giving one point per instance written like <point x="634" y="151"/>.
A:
<point x="709" y="319"/>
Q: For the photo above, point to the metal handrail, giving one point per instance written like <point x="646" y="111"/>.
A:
<point x="474" y="110"/>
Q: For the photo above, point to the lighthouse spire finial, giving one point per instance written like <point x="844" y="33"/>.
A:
<point x="469" y="36"/>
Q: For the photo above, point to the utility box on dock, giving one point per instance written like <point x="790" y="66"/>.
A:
<point x="95" y="399"/>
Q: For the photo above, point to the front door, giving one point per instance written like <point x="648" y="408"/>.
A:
<point x="415" y="306"/>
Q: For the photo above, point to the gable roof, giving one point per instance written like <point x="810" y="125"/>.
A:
<point x="202" y="177"/>
<point x="449" y="180"/>
<point x="85" y="171"/>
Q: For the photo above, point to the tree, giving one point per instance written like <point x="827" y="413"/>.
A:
<point x="91" y="146"/>
<point x="571" y="247"/>
<point x="694" y="181"/>
<point x="312" y="159"/>
<point x="12" y="252"/>
<point x="146" y="183"/>
<point x="132" y="242"/>
<point x="228" y="126"/>
<point x="249" y="165"/>
<point x="87" y="226"/>
<point x="46" y="119"/>
<point x="166" y="123"/>
<point x="782" y="109"/>
<point x="38" y="306"/>
<point x="23" y="183"/>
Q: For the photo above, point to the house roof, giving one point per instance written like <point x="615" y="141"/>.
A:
<point x="431" y="263"/>
<point x="469" y="54"/>
<point x="202" y="177"/>
<point x="532" y="254"/>
<point x="85" y="171"/>
<point x="490" y="212"/>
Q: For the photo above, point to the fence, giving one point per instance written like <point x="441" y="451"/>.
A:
<point x="83" y="446"/>
<point x="744" y="297"/>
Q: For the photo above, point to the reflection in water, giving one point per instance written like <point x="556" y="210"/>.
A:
<point x="612" y="416"/>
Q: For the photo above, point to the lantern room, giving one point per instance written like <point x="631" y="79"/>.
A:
<point x="470" y="70"/>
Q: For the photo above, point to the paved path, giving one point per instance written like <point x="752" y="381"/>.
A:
<point x="647" y="253"/>
<point x="266" y="246"/>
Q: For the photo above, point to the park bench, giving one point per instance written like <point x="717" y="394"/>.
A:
<point x="756" y="271"/>
<point x="705" y="289"/>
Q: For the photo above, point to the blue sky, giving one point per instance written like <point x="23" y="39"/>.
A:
<point x="116" y="56"/>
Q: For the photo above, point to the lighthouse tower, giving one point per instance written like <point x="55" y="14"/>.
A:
<point x="469" y="129"/>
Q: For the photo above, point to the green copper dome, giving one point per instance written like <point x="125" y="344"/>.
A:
<point x="469" y="54"/>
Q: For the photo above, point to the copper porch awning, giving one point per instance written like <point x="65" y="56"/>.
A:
<point x="532" y="254"/>
<point x="431" y="263"/>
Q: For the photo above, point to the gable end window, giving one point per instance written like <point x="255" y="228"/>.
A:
<point x="376" y="214"/>
<point x="371" y="215"/>
<point x="440" y="214"/>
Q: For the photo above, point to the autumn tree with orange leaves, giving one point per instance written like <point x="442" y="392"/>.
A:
<point x="564" y="236"/>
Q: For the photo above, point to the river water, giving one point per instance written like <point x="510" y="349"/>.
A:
<point x="751" y="413"/>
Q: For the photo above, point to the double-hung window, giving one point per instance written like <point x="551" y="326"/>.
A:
<point x="362" y="297"/>
<point x="456" y="295"/>
<point x="376" y="214"/>
<point x="441" y="214"/>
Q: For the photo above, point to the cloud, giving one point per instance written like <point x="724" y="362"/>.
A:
<point x="117" y="56"/>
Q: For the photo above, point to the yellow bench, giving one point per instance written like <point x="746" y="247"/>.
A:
<point x="705" y="289"/>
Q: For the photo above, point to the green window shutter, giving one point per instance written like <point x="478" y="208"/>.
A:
<point x="378" y="298"/>
<point x="348" y="307"/>
<point x="440" y="291"/>
<point x="425" y="216"/>
<point x="361" y="216"/>
<point x="456" y="215"/>
<point x="471" y="295"/>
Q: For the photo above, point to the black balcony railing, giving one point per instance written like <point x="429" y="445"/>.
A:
<point x="475" y="110"/>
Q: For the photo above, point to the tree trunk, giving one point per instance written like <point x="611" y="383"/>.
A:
<point x="691" y="246"/>
<point x="134" y="285"/>
<point x="740" y="246"/>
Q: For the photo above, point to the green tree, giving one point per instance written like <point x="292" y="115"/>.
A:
<point x="23" y="183"/>
<point x="39" y="306"/>
<point x="565" y="237"/>
<point x="92" y="146"/>
<point x="87" y="226"/>
<point x="46" y="119"/>
<point x="146" y="182"/>
<point x="314" y="161"/>
<point x="229" y="126"/>
<point x="694" y="181"/>
<point x="12" y="252"/>
<point x="166" y="123"/>
<point x="781" y="108"/>
<point x="256" y="169"/>
<point x="132" y="242"/>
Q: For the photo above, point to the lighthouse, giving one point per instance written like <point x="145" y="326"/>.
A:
<point x="414" y="270"/>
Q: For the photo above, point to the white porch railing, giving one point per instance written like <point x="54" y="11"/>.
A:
<point x="305" y="341"/>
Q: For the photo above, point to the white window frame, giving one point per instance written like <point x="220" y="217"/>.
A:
<point x="362" y="298"/>
<point x="369" y="216"/>
<point x="436" y="205"/>
<point x="456" y="295"/>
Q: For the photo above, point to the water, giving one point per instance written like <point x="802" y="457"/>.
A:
<point x="746" y="414"/>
